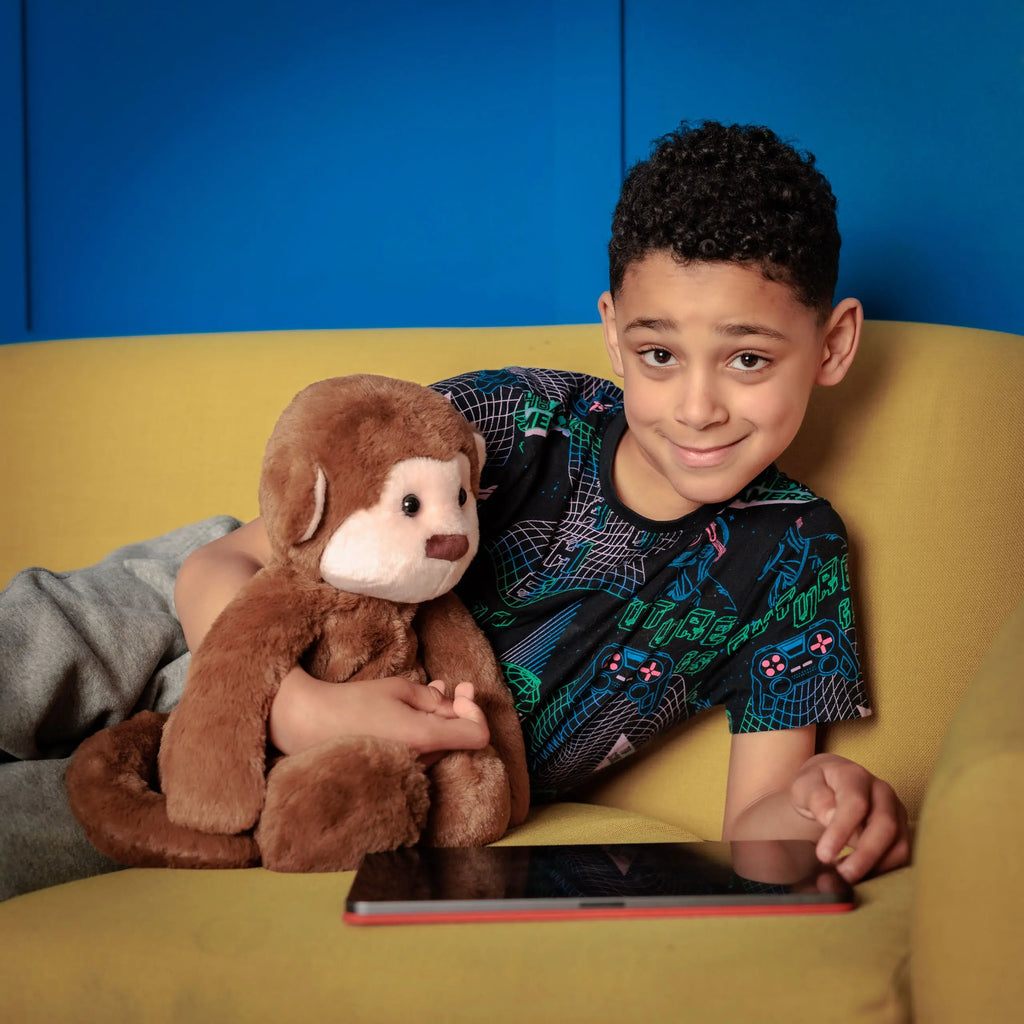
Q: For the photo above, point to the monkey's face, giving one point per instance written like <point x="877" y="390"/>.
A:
<point x="415" y="542"/>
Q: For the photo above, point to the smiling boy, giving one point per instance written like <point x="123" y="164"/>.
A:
<point x="718" y="364"/>
<point x="641" y="557"/>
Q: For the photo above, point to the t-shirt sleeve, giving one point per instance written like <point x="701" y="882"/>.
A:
<point x="516" y="407"/>
<point x="490" y="400"/>
<point x="795" y="661"/>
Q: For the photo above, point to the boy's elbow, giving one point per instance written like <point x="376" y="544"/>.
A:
<point x="207" y="581"/>
<point x="188" y="585"/>
<point x="189" y="569"/>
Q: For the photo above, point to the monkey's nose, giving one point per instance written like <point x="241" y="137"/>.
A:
<point x="449" y="546"/>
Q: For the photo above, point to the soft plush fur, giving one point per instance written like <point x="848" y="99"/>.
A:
<point x="368" y="495"/>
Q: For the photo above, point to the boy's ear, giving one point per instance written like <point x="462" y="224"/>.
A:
<point x="606" y="307"/>
<point x="841" y="340"/>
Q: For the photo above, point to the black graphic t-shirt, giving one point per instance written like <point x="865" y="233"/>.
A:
<point x="612" y="628"/>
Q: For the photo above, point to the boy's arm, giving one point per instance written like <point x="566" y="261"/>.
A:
<point x="307" y="711"/>
<point x="778" y="788"/>
<point x="211" y="576"/>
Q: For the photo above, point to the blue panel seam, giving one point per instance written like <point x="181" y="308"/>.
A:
<point x="25" y="170"/>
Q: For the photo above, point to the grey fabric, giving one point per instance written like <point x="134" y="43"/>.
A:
<point x="41" y="843"/>
<point x="79" y="651"/>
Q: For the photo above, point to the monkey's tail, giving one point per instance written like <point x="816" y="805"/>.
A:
<point x="113" y="789"/>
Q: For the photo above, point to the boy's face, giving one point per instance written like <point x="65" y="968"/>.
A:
<point x="718" y="364"/>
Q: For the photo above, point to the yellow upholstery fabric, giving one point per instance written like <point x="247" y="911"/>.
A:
<point x="968" y="931"/>
<point x="117" y="439"/>
<point x="920" y="450"/>
<point x="167" y="946"/>
<point x="150" y="946"/>
<point x="112" y="440"/>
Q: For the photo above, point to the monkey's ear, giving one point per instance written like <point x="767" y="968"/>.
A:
<point x="481" y="446"/>
<point x="319" y="500"/>
<point x="481" y="452"/>
<point x="293" y="500"/>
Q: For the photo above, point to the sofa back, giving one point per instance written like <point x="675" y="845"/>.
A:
<point x="112" y="440"/>
<point x="921" y="450"/>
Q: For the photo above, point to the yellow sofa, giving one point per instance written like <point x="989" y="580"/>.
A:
<point x="106" y="441"/>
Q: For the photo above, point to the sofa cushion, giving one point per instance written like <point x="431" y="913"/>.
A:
<point x="917" y="449"/>
<point x="969" y="895"/>
<point x="152" y="945"/>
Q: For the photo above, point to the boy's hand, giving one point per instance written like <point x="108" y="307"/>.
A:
<point x="856" y="809"/>
<point x="308" y="711"/>
<point x="778" y="788"/>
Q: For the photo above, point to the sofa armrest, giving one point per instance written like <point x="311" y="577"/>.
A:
<point x="969" y="888"/>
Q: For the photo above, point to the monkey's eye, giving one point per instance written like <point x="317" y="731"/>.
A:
<point x="410" y="504"/>
<point x="462" y="496"/>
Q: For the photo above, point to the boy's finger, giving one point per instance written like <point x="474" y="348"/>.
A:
<point x="880" y="833"/>
<point x="897" y="856"/>
<point x="465" y="690"/>
<point x="466" y="707"/>
<point x="813" y="797"/>
<point x="432" y="698"/>
<point x="463" y="733"/>
<point x="852" y="806"/>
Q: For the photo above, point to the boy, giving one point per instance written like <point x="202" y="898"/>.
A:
<point x="641" y="557"/>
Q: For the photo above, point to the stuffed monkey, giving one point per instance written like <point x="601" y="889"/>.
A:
<point x="368" y="494"/>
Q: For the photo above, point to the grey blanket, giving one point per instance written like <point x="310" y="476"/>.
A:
<point x="79" y="651"/>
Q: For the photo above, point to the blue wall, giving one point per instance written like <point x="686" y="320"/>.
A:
<point x="13" y="285"/>
<point x="224" y="164"/>
<point x="915" y="112"/>
<point x="229" y="165"/>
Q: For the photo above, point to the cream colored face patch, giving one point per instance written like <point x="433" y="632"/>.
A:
<point x="382" y="551"/>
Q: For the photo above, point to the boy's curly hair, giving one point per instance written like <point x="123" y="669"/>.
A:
<point x="738" y="194"/>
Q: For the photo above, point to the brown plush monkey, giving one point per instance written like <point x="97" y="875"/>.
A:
<point x="368" y="495"/>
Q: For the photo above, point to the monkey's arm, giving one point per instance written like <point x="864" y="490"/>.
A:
<point x="455" y="650"/>
<point x="214" y="746"/>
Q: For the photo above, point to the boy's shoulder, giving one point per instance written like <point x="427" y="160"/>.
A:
<point x="774" y="509"/>
<point x="517" y="385"/>
<point x="774" y="487"/>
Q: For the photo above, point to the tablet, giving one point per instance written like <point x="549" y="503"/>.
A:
<point x="418" y="885"/>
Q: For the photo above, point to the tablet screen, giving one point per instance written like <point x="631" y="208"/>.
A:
<point x="420" y="884"/>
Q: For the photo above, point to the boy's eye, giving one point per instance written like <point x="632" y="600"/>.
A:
<point x="657" y="357"/>
<point x="750" y="361"/>
<point x="410" y="504"/>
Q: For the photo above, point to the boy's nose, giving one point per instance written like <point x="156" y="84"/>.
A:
<point x="699" y="404"/>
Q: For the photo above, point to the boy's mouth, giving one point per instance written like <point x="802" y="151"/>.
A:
<point x="704" y="458"/>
